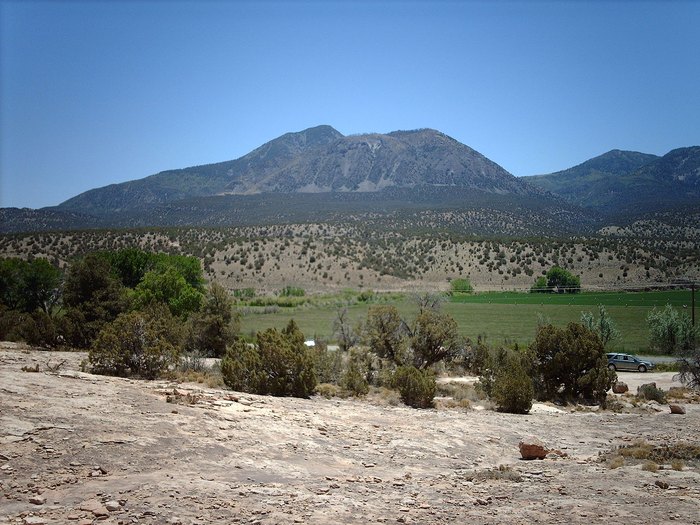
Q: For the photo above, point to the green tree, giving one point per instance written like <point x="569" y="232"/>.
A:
<point x="354" y="378"/>
<point x="216" y="325"/>
<point x="512" y="389"/>
<point x="41" y="286"/>
<point x="562" y="281"/>
<point x="29" y="285"/>
<point x="540" y="285"/>
<point x="142" y="343"/>
<point x="93" y="297"/>
<point x="130" y="264"/>
<point x="386" y="333"/>
<point x="11" y="282"/>
<point x="671" y="332"/>
<point x="416" y="387"/>
<point x="189" y="267"/>
<point x="168" y="286"/>
<point x="279" y="364"/>
<point x="570" y="363"/>
<point x="603" y="326"/>
<point x="462" y="285"/>
<point x="241" y="367"/>
<point x="433" y="339"/>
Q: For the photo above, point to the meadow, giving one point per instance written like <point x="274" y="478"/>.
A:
<point x="499" y="317"/>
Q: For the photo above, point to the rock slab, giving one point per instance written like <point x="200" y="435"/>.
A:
<point x="532" y="448"/>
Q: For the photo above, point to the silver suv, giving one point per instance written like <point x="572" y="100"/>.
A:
<point x="628" y="362"/>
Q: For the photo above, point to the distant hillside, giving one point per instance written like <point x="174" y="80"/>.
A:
<point x="317" y="160"/>
<point x="590" y="183"/>
<point x="431" y="208"/>
<point x="14" y="220"/>
<point x="624" y="182"/>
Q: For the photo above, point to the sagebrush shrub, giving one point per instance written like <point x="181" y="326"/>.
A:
<point x="144" y="344"/>
<point x="650" y="392"/>
<point x="354" y="379"/>
<point x="512" y="389"/>
<point x="416" y="387"/>
<point x="279" y="364"/>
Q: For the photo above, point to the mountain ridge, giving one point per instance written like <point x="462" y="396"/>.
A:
<point x="317" y="160"/>
<point x="319" y="174"/>
<point x="619" y="180"/>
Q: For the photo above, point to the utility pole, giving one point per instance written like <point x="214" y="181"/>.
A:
<point x="692" y="302"/>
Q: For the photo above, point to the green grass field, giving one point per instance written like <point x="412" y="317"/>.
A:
<point x="499" y="317"/>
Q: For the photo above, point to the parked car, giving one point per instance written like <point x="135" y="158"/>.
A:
<point x="628" y="362"/>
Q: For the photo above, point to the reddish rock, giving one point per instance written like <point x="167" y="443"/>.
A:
<point x="532" y="448"/>
<point x="620" y="387"/>
<point x="677" y="409"/>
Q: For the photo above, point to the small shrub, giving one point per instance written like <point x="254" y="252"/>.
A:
<point x="241" y="367"/>
<point x="650" y="466"/>
<point x="501" y="473"/>
<point x="10" y="321"/>
<point x="292" y="291"/>
<point x="457" y="391"/>
<point x="416" y="387"/>
<point x="207" y="377"/>
<point x="461" y="285"/>
<point x="354" y="379"/>
<point x="144" y="343"/>
<point x="679" y="392"/>
<point x="244" y="294"/>
<point x="651" y="393"/>
<point x="365" y="296"/>
<point x="38" y="329"/>
<point x="328" y="364"/>
<point x="387" y="396"/>
<point x="677" y="464"/>
<point x="638" y="450"/>
<point x="667" y="367"/>
<point x="512" y="388"/>
<point x="616" y="462"/>
<point x="328" y="390"/>
<point x="278" y="364"/>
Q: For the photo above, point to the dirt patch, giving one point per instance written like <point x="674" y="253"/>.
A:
<point x="663" y="380"/>
<point x="75" y="448"/>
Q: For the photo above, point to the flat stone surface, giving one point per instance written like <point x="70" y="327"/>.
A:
<point x="210" y="463"/>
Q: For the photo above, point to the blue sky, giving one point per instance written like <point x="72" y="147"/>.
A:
<point x="94" y="93"/>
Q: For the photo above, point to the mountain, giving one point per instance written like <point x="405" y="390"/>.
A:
<point x="589" y="183"/>
<point x="317" y="160"/>
<point x="372" y="162"/>
<point x="623" y="182"/>
<point x="200" y="181"/>
<point x="675" y="177"/>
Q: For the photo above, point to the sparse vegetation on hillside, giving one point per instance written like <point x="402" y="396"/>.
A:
<point x="383" y="255"/>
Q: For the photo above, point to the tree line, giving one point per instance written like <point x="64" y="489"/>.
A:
<point x="139" y="313"/>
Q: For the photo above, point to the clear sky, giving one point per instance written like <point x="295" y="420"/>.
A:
<point x="94" y="93"/>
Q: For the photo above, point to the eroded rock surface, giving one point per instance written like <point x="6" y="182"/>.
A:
<point x="109" y="450"/>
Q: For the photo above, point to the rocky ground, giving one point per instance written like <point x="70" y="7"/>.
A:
<point x="79" y="448"/>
